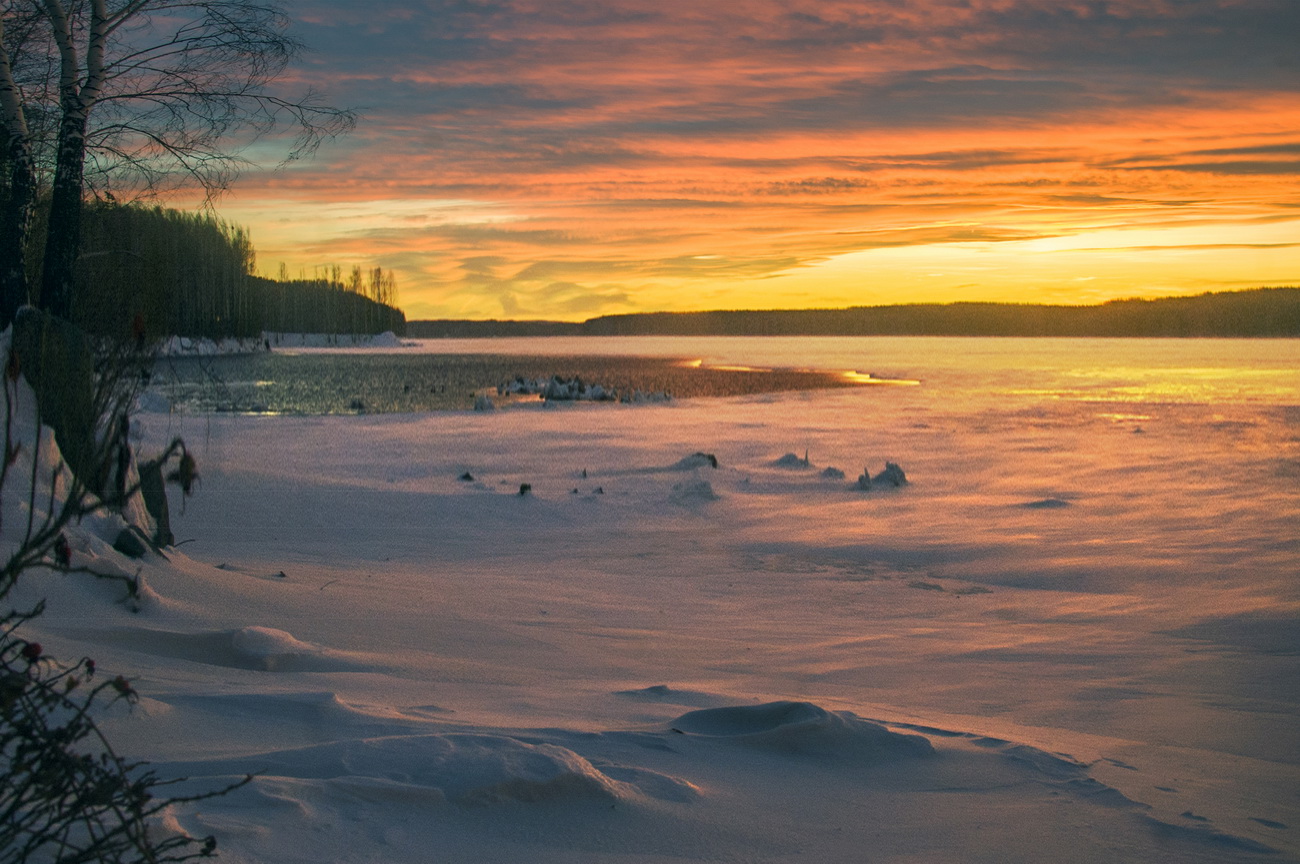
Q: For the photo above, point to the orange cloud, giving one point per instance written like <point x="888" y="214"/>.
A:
<point x="568" y="158"/>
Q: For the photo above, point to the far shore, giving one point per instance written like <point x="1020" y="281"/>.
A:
<point x="1256" y="313"/>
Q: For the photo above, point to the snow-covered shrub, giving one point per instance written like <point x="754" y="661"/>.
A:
<point x="65" y="795"/>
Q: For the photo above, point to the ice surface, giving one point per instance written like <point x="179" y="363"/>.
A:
<point x="433" y="668"/>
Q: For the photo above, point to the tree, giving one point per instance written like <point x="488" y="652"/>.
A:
<point x="148" y="92"/>
<point x="17" y="159"/>
<point x="65" y="794"/>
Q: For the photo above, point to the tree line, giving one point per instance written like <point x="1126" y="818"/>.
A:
<point x="1261" y="312"/>
<point x="152" y="272"/>
<point x="355" y="301"/>
<point x="1256" y="313"/>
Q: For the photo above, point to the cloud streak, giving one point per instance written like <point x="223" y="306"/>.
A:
<point x="668" y="154"/>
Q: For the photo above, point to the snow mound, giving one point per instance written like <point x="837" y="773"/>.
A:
<point x="1056" y="766"/>
<point x="263" y="649"/>
<point x="691" y="492"/>
<point x="268" y="648"/>
<point x="790" y="460"/>
<point x="802" y="727"/>
<point x="1046" y="504"/>
<point x="320" y="708"/>
<point x="387" y="339"/>
<point x="674" y="696"/>
<point x="462" y="768"/>
<point x="1207" y="837"/>
<point x="695" y="460"/>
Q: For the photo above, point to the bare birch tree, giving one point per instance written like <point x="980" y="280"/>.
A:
<point x="151" y="91"/>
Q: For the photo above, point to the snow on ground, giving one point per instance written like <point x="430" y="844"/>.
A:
<point x="183" y="346"/>
<point x="1064" y="640"/>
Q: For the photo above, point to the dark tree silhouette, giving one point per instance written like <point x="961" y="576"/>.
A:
<point x="146" y="92"/>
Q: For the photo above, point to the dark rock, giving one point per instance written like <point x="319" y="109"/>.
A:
<point x="131" y="542"/>
<point x="696" y="460"/>
<point x="62" y="551"/>
<point x="892" y="475"/>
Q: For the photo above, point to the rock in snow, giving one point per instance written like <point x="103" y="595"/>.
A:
<point x="892" y="476"/>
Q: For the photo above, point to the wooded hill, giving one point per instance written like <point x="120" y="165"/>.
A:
<point x="1262" y="312"/>
<point x="157" y="272"/>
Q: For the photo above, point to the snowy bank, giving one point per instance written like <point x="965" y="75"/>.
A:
<point x="184" y="346"/>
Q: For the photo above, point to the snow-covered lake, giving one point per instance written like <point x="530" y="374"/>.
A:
<point x="1073" y="636"/>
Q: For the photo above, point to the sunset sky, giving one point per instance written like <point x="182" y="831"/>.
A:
<point x="570" y="158"/>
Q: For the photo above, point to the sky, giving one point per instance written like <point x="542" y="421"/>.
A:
<point x="564" y="159"/>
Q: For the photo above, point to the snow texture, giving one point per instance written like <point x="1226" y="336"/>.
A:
<point x="1058" y="642"/>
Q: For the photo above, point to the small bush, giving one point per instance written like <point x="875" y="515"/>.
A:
<point x="65" y="796"/>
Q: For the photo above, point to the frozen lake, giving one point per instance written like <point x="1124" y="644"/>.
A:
<point x="1085" y="600"/>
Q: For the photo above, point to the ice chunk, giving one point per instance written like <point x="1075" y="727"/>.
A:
<point x="892" y="475"/>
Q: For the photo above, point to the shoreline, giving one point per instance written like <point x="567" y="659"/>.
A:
<point x="396" y="383"/>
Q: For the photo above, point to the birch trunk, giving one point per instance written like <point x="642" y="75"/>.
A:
<point x="78" y="93"/>
<point x="16" y="220"/>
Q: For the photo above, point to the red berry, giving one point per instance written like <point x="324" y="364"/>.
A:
<point x="122" y="686"/>
<point x="32" y="652"/>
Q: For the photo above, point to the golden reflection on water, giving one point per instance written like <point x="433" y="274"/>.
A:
<point x="1159" y="392"/>
<point x="1185" y="385"/>
<point x="1123" y="418"/>
<point x="851" y="375"/>
<point x="867" y="378"/>
<point x="721" y="367"/>
<point x="735" y="368"/>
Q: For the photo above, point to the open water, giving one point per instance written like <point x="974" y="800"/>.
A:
<point x="445" y="374"/>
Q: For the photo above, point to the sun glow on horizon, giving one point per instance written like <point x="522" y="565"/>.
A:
<point x="817" y="153"/>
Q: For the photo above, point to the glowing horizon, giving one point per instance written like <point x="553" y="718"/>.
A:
<point x="573" y="159"/>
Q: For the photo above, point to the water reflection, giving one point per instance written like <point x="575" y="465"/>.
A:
<point x="442" y="374"/>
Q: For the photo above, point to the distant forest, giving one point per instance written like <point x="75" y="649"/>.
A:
<point x="155" y="272"/>
<point x="1262" y="312"/>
